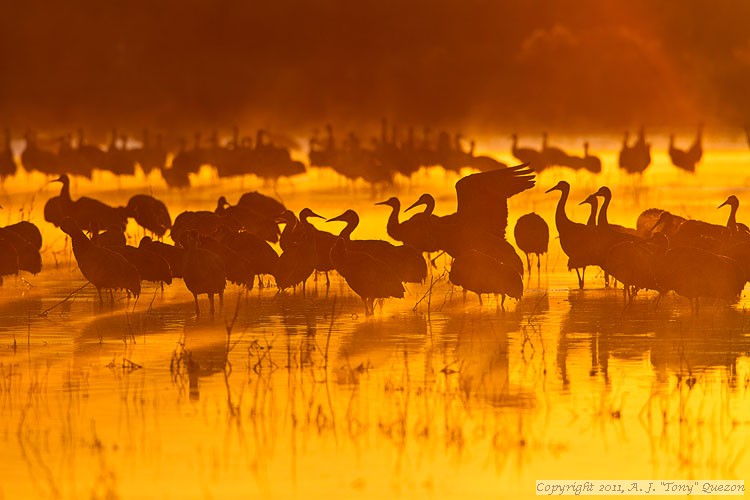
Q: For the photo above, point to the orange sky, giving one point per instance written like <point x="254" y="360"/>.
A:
<point x="586" y="64"/>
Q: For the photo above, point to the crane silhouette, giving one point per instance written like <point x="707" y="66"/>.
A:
<point x="104" y="268"/>
<point x="532" y="237"/>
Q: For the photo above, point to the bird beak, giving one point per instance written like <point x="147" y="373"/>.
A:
<point x="382" y="203"/>
<point x="554" y="188"/>
<point x="414" y="205"/>
<point x="337" y="219"/>
<point x="59" y="179"/>
<point x="313" y="214"/>
<point x="584" y="202"/>
<point x="723" y="204"/>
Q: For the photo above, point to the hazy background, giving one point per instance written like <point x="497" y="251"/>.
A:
<point x="294" y="65"/>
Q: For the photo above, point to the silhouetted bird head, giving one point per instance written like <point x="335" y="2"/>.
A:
<point x="604" y="192"/>
<point x="563" y="186"/>
<point x="732" y="201"/>
<point x="391" y="202"/>
<point x="306" y="212"/>
<point x="350" y="217"/>
<point x="591" y="200"/>
<point x="425" y="199"/>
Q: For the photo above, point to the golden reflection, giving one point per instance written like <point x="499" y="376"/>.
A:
<point x="286" y="394"/>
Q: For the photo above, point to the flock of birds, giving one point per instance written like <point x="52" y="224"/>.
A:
<point x="233" y="243"/>
<point x="664" y="252"/>
<point x="269" y="157"/>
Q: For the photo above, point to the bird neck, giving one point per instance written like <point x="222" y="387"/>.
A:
<point x="349" y="229"/>
<point x="561" y="218"/>
<point x="592" y="215"/>
<point x="429" y="206"/>
<point x="393" y="223"/>
<point x="65" y="191"/>
<point x="732" y="221"/>
<point x="603" y="212"/>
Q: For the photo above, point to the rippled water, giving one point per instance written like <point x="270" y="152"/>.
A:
<point x="292" y="395"/>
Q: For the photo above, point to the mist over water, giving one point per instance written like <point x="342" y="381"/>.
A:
<point x="297" y="65"/>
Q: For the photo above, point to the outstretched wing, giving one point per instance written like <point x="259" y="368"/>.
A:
<point x="483" y="197"/>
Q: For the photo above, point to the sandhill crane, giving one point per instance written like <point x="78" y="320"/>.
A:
<point x="480" y="273"/>
<point x="104" y="268"/>
<point x="368" y="276"/>
<point x="577" y="240"/>
<point x="203" y="272"/>
<point x="528" y="156"/>
<point x="532" y="237"/>
<point x="149" y="213"/>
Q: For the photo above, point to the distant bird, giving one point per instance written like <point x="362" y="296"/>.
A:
<point x="635" y="159"/>
<point x="553" y="156"/>
<point x="687" y="160"/>
<point x="577" y="240"/>
<point x="8" y="165"/>
<point x="405" y="261"/>
<point x="529" y="156"/>
<point x="88" y="212"/>
<point x="149" y="213"/>
<point x="368" y="276"/>
<point x="532" y="237"/>
<point x="590" y="162"/>
<point x="104" y="268"/>
<point x="203" y="272"/>
<point x="480" y="273"/>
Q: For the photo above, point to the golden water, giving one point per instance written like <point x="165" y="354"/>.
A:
<point x="435" y="396"/>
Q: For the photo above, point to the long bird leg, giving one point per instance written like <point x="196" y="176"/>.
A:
<point x="538" y="263"/>
<point x="528" y="263"/>
<point x="502" y="303"/>
<point x="211" y="302"/>
<point x="480" y="299"/>
<point x="580" y="279"/>
<point x="197" y="309"/>
<point x="221" y="300"/>
<point x="328" y="281"/>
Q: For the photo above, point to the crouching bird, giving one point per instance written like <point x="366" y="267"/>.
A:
<point x="369" y="277"/>
<point x="481" y="273"/>
<point x="104" y="268"/>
